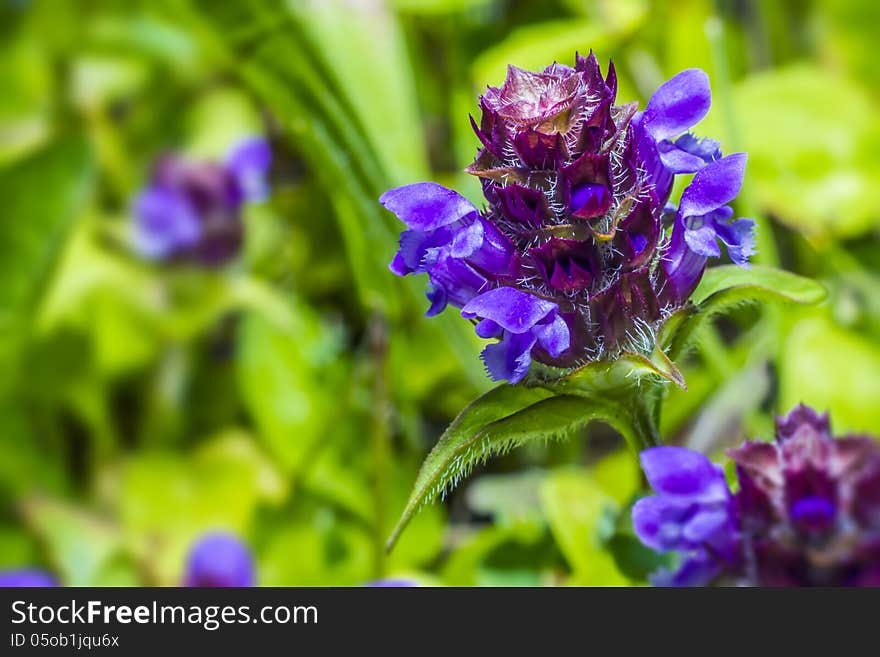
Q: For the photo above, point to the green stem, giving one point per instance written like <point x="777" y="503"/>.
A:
<point x="378" y="344"/>
<point x="644" y="416"/>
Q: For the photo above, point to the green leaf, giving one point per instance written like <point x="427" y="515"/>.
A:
<point x="79" y="544"/>
<point x="505" y="418"/>
<point x="284" y="376"/>
<point x="728" y="286"/>
<point x="812" y="142"/>
<point x="41" y="197"/>
<point x="831" y="369"/>
<point x="576" y="508"/>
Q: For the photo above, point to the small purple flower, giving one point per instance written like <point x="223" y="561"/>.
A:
<point x="807" y="511"/>
<point x="392" y="582"/>
<point x="692" y="514"/>
<point x="219" y="560"/>
<point x="26" y="577"/>
<point x="192" y="210"/>
<point x="573" y="235"/>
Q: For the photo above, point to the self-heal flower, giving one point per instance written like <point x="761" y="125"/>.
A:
<point x="219" y="560"/>
<point x="807" y="511"/>
<point x="192" y="210"/>
<point x="692" y="514"/>
<point x="571" y="260"/>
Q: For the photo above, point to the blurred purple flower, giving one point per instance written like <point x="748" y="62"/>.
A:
<point x="572" y="238"/>
<point x="26" y="577"/>
<point x="692" y="514"/>
<point x="807" y="511"/>
<point x="192" y="210"/>
<point x="219" y="560"/>
<point x="392" y="582"/>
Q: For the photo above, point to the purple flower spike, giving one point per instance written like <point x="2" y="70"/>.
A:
<point x="191" y="211"/>
<point x="807" y="511"/>
<point x="219" y="560"/>
<point x="576" y="189"/>
<point x="28" y="577"/>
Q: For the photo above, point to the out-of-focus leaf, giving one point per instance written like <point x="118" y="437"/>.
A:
<point x="79" y="545"/>
<point x="323" y="552"/>
<point x="467" y="565"/>
<point x="286" y="379"/>
<point x="506" y="497"/>
<point x="25" y="69"/>
<point x="831" y="369"/>
<point x="618" y="475"/>
<point x="219" y="121"/>
<point x="364" y="50"/>
<point x="439" y="7"/>
<point x="535" y="46"/>
<point x="166" y="501"/>
<point x="811" y="140"/>
<point x="576" y="508"/>
<point x="29" y="461"/>
<point x="41" y="197"/>
<point x="728" y="286"/>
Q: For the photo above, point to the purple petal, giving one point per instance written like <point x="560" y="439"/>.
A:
<point x="678" y="104"/>
<point x="460" y="283"/>
<point x="486" y="328"/>
<point x="219" y="560"/>
<point x="436" y="294"/>
<point x="678" y="160"/>
<point x="426" y="206"/>
<point x="702" y="241"/>
<point x="739" y="236"/>
<point x="657" y="522"/>
<point x="249" y="162"/>
<point x="706" y="149"/>
<point x="682" y="472"/>
<point x="704" y="524"/>
<point x="467" y="240"/>
<point x="802" y="417"/>
<point x="713" y="186"/>
<point x="510" y="358"/>
<point x="554" y="337"/>
<point x="513" y="310"/>
<point x="495" y="254"/>
<point x="26" y="577"/>
<point x="697" y="570"/>
<point x="165" y="223"/>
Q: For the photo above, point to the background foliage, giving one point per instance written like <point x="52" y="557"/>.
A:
<point x="290" y="396"/>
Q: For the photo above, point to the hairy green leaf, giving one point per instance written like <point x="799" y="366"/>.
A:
<point x="505" y="418"/>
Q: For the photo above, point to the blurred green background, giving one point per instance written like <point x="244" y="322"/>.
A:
<point x="290" y="396"/>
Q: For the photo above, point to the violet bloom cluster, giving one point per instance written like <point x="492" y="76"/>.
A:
<point x="191" y="210"/>
<point x="578" y="254"/>
<point x="807" y="512"/>
<point x="219" y="560"/>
